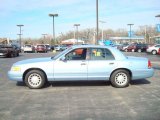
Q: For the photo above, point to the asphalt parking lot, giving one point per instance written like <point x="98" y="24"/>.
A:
<point x="96" y="100"/>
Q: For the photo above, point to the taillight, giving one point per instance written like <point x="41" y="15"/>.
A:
<point x="149" y="64"/>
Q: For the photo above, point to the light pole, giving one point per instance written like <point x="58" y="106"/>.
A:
<point x="20" y="33"/>
<point x="158" y="27"/>
<point x="130" y="26"/>
<point x="44" y="36"/>
<point x="102" y="28"/>
<point x="76" y="25"/>
<point x="53" y="15"/>
<point x="97" y="25"/>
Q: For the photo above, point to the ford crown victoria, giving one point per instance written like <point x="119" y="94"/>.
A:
<point x="82" y="62"/>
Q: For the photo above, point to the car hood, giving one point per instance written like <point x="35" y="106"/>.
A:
<point x="35" y="60"/>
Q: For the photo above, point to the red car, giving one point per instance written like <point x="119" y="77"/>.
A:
<point x="159" y="51"/>
<point x="41" y="48"/>
<point x="136" y="47"/>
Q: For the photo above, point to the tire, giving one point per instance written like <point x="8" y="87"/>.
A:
<point x="35" y="79"/>
<point x="120" y="78"/>
<point x="11" y="55"/>
<point x="139" y="50"/>
<point x="154" y="52"/>
<point x="126" y="50"/>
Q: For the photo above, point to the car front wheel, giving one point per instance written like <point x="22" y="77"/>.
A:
<point x="35" y="79"/>
<point x="154" y="52"/>
<point x="120" y="78"/>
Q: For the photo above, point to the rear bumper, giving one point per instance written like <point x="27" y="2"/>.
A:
<point x="142" y="74"/>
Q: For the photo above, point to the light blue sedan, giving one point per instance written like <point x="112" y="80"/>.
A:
<point x="86" y="62"/>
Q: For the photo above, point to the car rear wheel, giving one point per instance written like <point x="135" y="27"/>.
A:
<point x="35" y="79"/>
<point x="120" y="78"/>
<point x="154" y="52"/>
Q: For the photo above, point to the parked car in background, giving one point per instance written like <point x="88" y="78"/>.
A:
<point x="63" y="47"/>
<point x="82" y="62"/>
<point x="57" y="47"/>
<point x="48" y="47"/>
<point x="136" y="47"/>
<point x="9" y="51"/>
<point x="41" y="48"/>
<point x="154" y="49"/>
<point x="122" y="47"/>
<point x="159" y="51"/>
<point x="28" y="48"/>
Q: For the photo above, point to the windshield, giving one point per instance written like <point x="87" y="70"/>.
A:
<point x="61" y="53"/>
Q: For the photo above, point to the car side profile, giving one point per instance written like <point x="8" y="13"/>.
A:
<point x="82" y="62"/>
<point x="136" y="47"/>
<point x="153" y="49"/>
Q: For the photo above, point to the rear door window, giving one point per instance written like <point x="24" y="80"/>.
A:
<point x="101" y="54"/>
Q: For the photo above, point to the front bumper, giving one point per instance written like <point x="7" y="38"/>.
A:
<point x="3" y="54"/>
<point x="15" y="76"/>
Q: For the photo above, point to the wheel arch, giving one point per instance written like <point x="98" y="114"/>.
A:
<point x="130" y="73"/>
<point x="24" y="74"/>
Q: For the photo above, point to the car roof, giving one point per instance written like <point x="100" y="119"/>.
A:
<point x="90" y="46"/>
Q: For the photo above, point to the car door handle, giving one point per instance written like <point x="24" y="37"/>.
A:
<point x="111" y="63"/>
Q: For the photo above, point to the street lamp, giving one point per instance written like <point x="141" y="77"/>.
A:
<point x="97" y="22"/>
<point x="53" y="15"/>
<point x="130" y="25"/>
<point x="44" y="36"/>
<point x="20" y="33"/>
<point x="76" y="25"/>
<point x="102" y="28"/>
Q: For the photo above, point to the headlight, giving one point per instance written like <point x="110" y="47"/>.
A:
<point x="15" y="68"/>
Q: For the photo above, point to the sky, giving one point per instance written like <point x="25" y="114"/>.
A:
<point x="33" y="14"/>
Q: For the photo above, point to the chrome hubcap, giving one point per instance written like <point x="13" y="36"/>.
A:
<point x="121" y="79"/>
<point x="34" y="80"/>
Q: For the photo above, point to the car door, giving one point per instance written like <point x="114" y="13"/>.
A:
<point x="100" y="64"/>
<point x="73" y="66"/>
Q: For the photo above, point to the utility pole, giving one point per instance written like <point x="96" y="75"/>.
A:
<point x="76" y="25"/>
<point x="53" y="15"/>
<point x="20" y="33"/>
<point x="97" y="25"/>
